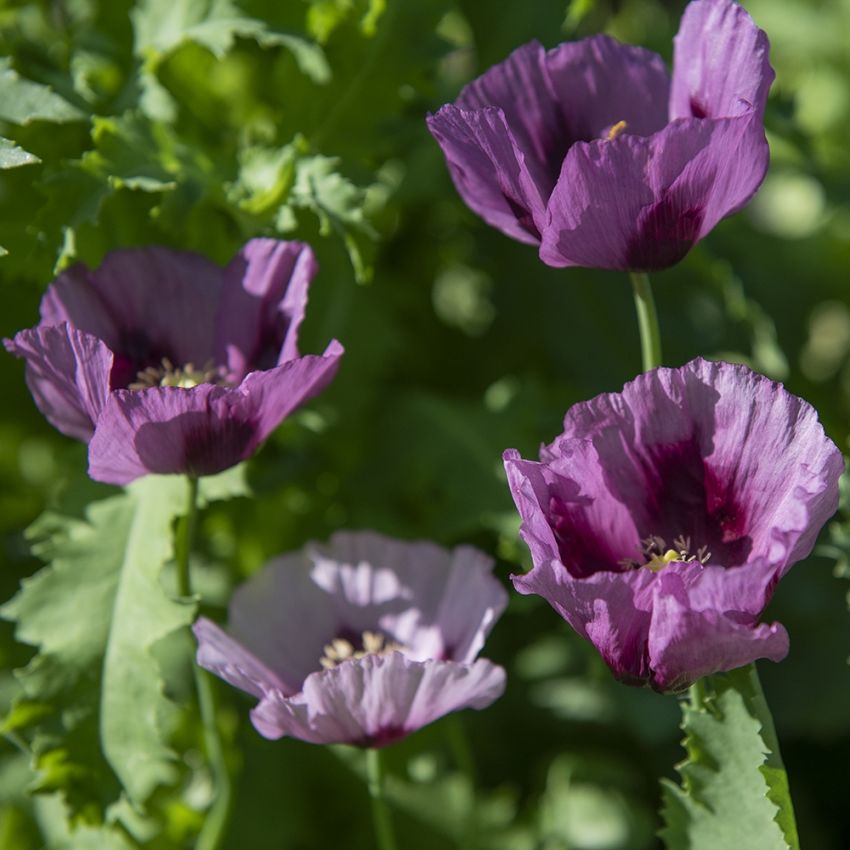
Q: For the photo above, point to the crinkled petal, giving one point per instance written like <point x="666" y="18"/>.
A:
<point x="73" y="298"/>
<point x="695" y="633"/>
<point x="171" y="430"/>
<point x="769" y="450"/>
<point x="569" y="513"/>
<point x="598" y="82"/>
<point x="376" y="700"/>
<point x="611" y="610"/>
<point x="720" y="62"/>
<point x="641" y="203"/>
<point x="271" y="395"/>
<point x="145" y="303"/>
<point x="718" y="452"/>
<point x="521" y="88"/>
<point x="221" y="654"/>
<point x="68" y="375"/>
<point x="200" y="430"/>
<point x="284" y="618"/>
<point x="263" y="301"/>
<point x="437" y="603"/>
<point x="490" y="170"/>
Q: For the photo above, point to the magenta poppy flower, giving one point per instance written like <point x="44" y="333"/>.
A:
<point x="594" y="153"/>
<point x="662" y="518"/>
<point x="166" y="363"/>
<point x="361" y="641"/>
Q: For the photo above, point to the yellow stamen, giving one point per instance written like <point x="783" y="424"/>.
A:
<point x="169" y="375"/>
<point x="658" y="562"/>
<point x="616" y="130"/>
<point x="370" y="643"/>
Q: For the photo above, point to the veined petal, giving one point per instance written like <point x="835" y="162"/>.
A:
<point x="641" y="203"/>
<point x="145" y="303"/>
<point x="768" y="448"/>
<point x="521" y="88"/>
<point x="490" y="170"/>
<point x="170" y="431"/>
<point x="599" y="82"/>
<point x="285" y="618"/>
<point x="611" y="610"/>
<point x="452" y="598"/>
<point x="67" y="373"/>
<point x="263" y="301"/>
<point x="230" y="660"/>
<point x="569" y="512"/>
<point x="720" y="62"/>
<point x="376" y="700"/>
<point x="270" y="396"/>
<point x="710" y="460"/>
<point x="693" y="635"/>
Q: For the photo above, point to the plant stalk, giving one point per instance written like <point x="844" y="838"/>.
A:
<point x="384" y="834"/>
<point x="650" y="336"/>
<point x="213" y="830"/>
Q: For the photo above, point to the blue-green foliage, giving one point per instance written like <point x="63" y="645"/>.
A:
<point x="202" y="123"/>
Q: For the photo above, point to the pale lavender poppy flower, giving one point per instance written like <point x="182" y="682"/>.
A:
<point x="662" y="518"/>
<point x="594" y="153"/>
<point x="167" y="363"/>
<point x="360" y="641"/>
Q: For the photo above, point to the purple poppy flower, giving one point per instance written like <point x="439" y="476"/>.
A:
<point x="592" y="152"/>
<point x="360" y="641"/>
<point x="660" y="521"/>
<point x="166" y="363"/>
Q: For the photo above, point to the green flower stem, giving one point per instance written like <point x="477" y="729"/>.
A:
<point x="697" y="695"/>
<point x="380" y="813"/>
<point x="465" y="761"/>
<point x="215" y="823"/>
<point x="185" y="538"/>
<point x="650" y="337"/>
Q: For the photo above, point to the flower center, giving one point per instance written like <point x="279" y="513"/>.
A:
<point x="370" y="643"/>
<point x="656" y="555"/>
<point x="615" y="130"/>
<point x="169" y="375"/>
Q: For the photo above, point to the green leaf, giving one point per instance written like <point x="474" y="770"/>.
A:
<point x="734" y="790"/>
<point x="132" y="702"/>
<point x="11" y="156"/>
<point x="132" y="152"/>
<point x="61" y="835"/>
<point x="23" y="101"/>
<point x="98" y="666"/>
<point x="324" y="16"/>
<point x="265" y="178"/>
<point x="339" y="206"/>
<point x="162" y="25"/>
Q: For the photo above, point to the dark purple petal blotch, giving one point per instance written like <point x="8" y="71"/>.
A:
<point x="360" y="641"/>
<point x="163" y="362"/>
<point x="661" y="519"/>
<point x="593" y="152"/>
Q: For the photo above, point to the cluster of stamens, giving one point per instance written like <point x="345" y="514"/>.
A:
<point x="656" y="555"/>
<point x="371" y="643"/>
<point x="169" y="375"/>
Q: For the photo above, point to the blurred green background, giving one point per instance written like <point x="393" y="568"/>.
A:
<point x="201" y="123"/>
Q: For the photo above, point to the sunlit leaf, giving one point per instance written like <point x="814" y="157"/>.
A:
<point x="23" y="101"/>
<point x="734" y="790"/>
